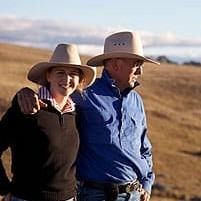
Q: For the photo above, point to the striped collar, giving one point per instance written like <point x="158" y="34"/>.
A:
<point x="43" y="93"/>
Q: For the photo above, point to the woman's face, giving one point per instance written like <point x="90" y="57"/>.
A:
<point x="63" y="80"/>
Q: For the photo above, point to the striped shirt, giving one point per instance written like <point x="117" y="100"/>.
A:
<point x="43" y="93"/>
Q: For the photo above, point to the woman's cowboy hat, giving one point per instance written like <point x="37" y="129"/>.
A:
<point x="64" y="55"/>
<point x="121" y="45"/>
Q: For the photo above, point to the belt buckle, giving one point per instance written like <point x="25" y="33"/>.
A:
<point x="134" y="186"/>
<point x="137" y="186"/>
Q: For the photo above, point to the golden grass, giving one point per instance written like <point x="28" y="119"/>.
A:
<point x="171" y="97"/>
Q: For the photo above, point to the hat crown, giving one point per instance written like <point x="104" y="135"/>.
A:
<point x="121" y="45"/>
<point x="126" y="42"/>
<point x="66" y="53"/>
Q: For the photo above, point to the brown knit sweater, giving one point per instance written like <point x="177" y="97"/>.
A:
<point x="44" y="147"/>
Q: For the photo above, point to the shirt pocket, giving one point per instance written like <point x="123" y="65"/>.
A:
<point x="97" y="127"/>
<point x="137" y="118"/>
<point x="135" y="131"/>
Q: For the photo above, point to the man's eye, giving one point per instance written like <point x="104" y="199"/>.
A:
<point x="138" y="64"/>
<point x="73" y="74"/>
<point x="61" y="73"/>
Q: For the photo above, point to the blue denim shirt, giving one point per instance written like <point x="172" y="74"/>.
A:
<point x="114" y="146"/>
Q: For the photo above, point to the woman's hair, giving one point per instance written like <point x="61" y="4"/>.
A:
<point x="80" y="86"/>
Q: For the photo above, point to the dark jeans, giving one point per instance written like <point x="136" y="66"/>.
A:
<point x="18" y="199"/>
<point x="91" y="194"/>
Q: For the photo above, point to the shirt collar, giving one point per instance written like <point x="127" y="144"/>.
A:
<point x="106" y="77"/>
<point x="43" y="93"/>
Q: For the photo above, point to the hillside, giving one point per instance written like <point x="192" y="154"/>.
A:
<point x="171" y="97"/>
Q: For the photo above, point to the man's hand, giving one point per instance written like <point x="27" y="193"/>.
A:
<point x="28" y="101"/>
<point x="144" y="196"/>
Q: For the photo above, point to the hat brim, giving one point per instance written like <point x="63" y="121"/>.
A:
<point x="99" y="60"/>
<point x="37" y="73"/>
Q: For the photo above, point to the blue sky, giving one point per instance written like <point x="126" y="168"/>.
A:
<point x="171" y="28"/>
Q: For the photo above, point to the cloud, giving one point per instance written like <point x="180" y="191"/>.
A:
<point x="46" y="33"/>
<point x="90" y="39"/>
<point x="168" y="39"/>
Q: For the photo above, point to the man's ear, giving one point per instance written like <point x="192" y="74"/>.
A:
<point x="114" y="64"/>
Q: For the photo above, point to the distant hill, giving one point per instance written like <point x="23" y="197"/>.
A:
<point x="172" y="99"/>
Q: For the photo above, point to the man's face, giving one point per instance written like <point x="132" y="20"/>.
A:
<point x="127" y="72"/>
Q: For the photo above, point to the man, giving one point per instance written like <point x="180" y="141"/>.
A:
<point x="115" y="159"/>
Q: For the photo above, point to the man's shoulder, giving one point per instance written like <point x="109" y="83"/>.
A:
<point x="136" y="95"/>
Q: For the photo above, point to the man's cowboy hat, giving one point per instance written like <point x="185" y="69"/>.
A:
<point x="121" y="45"/>
<point x="64" y="55"/>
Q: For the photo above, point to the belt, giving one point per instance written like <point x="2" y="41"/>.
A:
<point x="126" y="188"/>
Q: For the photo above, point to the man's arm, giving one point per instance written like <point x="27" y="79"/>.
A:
<point x="28" y="101"/>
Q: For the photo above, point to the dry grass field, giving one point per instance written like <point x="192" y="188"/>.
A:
<point x="172" y="99"/>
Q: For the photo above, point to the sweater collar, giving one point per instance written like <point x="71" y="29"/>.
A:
<point x="43" y="93"/>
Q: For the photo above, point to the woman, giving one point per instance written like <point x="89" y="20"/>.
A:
<point x="44" y="146"/>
